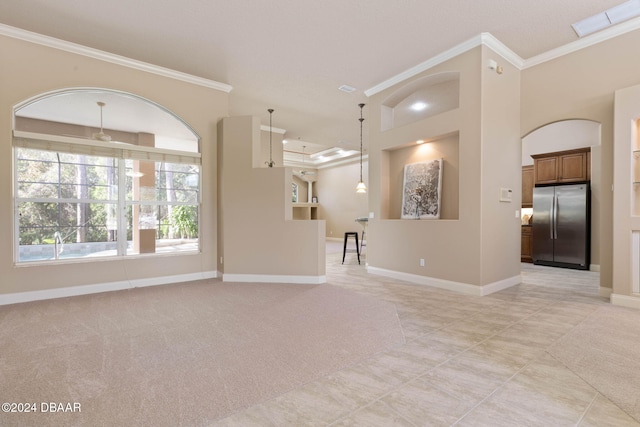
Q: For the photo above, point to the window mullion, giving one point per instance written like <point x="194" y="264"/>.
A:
<point x="122" y="208"/>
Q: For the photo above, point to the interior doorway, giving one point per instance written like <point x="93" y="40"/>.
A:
<point x="568" y="135"/>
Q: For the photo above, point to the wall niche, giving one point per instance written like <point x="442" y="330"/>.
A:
<point x="445" y="147"/>
<point x="422" y="98"/>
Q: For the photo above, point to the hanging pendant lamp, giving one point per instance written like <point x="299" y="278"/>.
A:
<point x="361" y="188"/>
<point x="101" y="136"/>
<point x="270" y="163"/>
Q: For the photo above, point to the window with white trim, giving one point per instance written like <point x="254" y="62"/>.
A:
<point x="83" y="199"/>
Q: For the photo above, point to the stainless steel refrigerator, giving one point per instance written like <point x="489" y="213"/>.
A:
<point x="561" y="225"/>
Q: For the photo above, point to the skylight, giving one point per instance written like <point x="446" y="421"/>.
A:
<point x="615" y="15"/>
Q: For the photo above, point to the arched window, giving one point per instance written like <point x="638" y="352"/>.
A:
<point x="101" y="173"/>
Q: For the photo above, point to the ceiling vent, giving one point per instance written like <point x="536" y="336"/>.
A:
<point x="347" y="88"/>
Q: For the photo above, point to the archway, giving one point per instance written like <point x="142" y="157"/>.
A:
<point x="567" y="135"/>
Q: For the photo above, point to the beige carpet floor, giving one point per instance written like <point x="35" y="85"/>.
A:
<point x="604" y="350"/>
<point x="182" y="354"/>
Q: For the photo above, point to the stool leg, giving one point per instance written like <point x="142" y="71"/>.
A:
<point x="344" y="249"/>
<point x="357" y="248"/>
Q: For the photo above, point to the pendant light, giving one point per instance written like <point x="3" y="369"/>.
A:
<point x="270" y="163"/>
<point x="101" y="136"/>
<point x="361" y="188"/>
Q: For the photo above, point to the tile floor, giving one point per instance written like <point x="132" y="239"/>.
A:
<point x="467" y="361"/>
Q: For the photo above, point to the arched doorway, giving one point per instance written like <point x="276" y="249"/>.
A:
<point x="568" y="135"/>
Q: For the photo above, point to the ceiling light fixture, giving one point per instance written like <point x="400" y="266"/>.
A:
<point x="270" y="163"/>
<point x="101" y="136"/>
<point x="323" y="153"/>
<point x="304" y="173"/>
<point x="420" y="141"/>
<point x="418" y="106"/>
<point x="361" y="188"/>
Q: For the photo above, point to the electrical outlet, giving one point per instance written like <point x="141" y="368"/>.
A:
<point x="421" y="262"/>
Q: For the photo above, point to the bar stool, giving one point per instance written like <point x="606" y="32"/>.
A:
<point x="344" y="250"/>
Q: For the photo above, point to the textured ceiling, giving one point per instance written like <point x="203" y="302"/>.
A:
<point x="292" y="55"/>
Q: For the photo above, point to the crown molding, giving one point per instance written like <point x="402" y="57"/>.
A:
<point x="481" y="39"/>
<point x="501" y="49"/>
<point x="348" y="160"/>
<point x="429" y="63"/>
<point x="590" y="40"/>
<point x="487" y="39"/>
<point x="28" y="36"/>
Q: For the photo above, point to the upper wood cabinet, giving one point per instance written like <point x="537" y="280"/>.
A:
<point x="527" y="186"/>
<point x="562" y="166"/>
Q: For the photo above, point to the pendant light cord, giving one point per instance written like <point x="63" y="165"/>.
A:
<point x="270" y="163"/>
<point x="361" y="120"/>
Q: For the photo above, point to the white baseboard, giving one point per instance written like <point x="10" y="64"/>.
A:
<point x="265" y="278"/>
<point x="605" y="292"/>
<point x="72" y="291"/>
<point x="625" y="300"/>
<point x="449" y="285"/>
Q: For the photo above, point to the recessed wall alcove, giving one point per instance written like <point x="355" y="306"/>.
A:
<point x="422" y="98"/>
<point x="444" y="147"/>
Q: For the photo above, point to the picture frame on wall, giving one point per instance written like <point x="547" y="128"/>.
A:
<point x="422" y="190"/>
<point x="314" y="199"/>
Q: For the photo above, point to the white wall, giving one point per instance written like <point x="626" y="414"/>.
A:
<point x="559" y="136"/>
<point x="339" y="203"/>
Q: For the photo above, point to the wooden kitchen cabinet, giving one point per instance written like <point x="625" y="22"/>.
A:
<point x="527" y="186"/>
<point x="562" y="166"/>
<point x="526" y="244"/>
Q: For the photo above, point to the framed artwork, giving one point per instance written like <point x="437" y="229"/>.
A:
<point x="294" y="192"/>
<point x="421" y="190"/>
<point x="314" y="199"/>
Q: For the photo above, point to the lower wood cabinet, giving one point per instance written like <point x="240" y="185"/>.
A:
<point x="526" y="244"/>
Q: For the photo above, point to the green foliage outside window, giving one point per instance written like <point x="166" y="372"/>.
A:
<point x="185" y="221"/>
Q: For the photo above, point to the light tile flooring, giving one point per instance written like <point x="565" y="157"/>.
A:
<point x="467" y="361"/>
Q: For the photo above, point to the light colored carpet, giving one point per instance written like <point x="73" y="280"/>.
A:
<point x="182" y="354"/>
<point x="604" y="350"/>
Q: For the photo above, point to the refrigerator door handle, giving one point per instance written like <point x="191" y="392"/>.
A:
<point x="555" y="217"/>
<point x="551" y="219"/>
